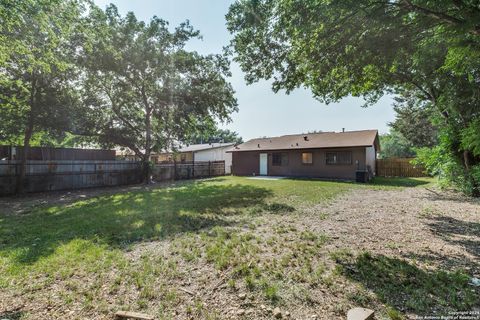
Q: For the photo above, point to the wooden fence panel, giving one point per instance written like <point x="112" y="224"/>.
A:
<point x="398" y="167"/>
<point x="56" y="154"/>
<point x="67" y="175"/>
<point x="187" y="170"/>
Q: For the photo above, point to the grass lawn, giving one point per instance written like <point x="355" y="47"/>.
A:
<point x="403" y="182"/>
<point x="180" y="251"/>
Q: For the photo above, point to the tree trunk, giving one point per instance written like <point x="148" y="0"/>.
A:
<point x="148" y="146"/>
<point x="20" y="189"/>
<point x="23" y="159"/>
<point x="468" y="161"/>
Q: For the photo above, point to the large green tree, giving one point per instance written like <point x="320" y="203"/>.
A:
<point x="414" y="120"/>
<point x="430" y="49"/>
<point x="37" y="69"/>
<point x="395" y="145"/>
<point x="215" y="135"/>
<point x="146" y="90"/>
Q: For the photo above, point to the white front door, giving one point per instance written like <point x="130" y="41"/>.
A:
<point x="263" y="164"/>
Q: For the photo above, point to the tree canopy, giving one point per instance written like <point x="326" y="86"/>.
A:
<point x="147" y="91"/>
<point x="37" y="70"/>
<point x="215" y="136"/>
<point x="71" y="71"/>
<point x="426" y="51"/>
<point x="395" y="145"/>
<point x="415" y="122"/>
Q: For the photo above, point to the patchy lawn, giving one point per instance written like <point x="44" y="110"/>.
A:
<point x="236" y="247"/>
<point x="402" y="182"/>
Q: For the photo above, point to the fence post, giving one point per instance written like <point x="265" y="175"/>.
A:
<point x="209" y="169"/>
<point x="174" y="169"/>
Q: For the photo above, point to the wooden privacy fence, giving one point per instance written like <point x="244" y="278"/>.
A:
<point x="52" y="154"/>
<point x="187" y="170"/>
<point x="398" y="167"/>
<point x="65" y="175"/>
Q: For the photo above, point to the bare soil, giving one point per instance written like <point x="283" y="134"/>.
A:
<point x="430" y="229"/>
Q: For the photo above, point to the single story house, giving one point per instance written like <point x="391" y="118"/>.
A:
<point x="209" y="152"/>
<point x="347" y="155"/>
<point x="194" y="152"/>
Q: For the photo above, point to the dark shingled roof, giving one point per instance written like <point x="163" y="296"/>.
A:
<point x="361" y="138"/>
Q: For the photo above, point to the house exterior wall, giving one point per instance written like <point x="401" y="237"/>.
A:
<point x="161" y="157"/>
<point x="216" y="154"/>
<point x="247" y="163"/>
<point x="371" y="157"/>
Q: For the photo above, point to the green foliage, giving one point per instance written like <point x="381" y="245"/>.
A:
<point x="395" y="145"/>
<point x="338" y="48"/>
<point x="470" y="137"/>
<point x="68" y="66"/>
<point x="413" y="122"/>
<point x="147" y="90"/>
<point x="434" y="160"/>
<point x="37" y="67"/>
<point x="448" y="168"/>
<point x="425" y="52"/>
<point x="214" y="135"/>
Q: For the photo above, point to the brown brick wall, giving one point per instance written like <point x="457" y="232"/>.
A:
<point x="247" y="163"/>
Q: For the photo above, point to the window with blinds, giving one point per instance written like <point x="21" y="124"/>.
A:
<point x="342" y="157"/>
<point x="279" y="159"/>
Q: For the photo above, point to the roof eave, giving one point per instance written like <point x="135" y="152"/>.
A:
<point x="293" y="149"/>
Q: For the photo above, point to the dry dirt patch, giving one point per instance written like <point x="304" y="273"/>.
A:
<point x="307" y="262"/>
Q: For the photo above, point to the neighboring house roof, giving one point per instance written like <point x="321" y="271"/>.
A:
<point x="129" y="152"/>
<point x="124" y="152"/>
<point x="361" y="138"/>
<point x="204" y="146"/>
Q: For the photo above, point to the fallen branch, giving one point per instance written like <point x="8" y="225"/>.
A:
<point x="187" y="291"/>
<point x="219" y="282"/>
<point x="438" y="194"/>
<point x="132" y="315"/>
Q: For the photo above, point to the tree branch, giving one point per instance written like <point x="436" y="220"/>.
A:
<point x="116" y="110"/>
<point x="441" y="16"/>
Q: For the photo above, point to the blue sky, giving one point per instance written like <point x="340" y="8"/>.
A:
<point x="261" y="112"/>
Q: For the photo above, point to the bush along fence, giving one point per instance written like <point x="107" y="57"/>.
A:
<point x="398" y="167"/>
<point x="69" y="175"/>
<point x="187" y="170"/>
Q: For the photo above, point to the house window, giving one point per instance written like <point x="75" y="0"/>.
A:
<point x="279" y="159"/>
<point x="307" y="158"/>
<point x="183" y="157"/>
<point x="343" y="157"/>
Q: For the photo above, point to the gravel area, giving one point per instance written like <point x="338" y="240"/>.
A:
<point x="438" y="229"/>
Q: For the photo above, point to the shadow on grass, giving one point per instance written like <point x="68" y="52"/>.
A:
<point x="408" y="288"/>
<point x="399" y="182"/>
<point x="11" y="315"/>
<point x="464" y="234"/>
<point x="121" y="219"/>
